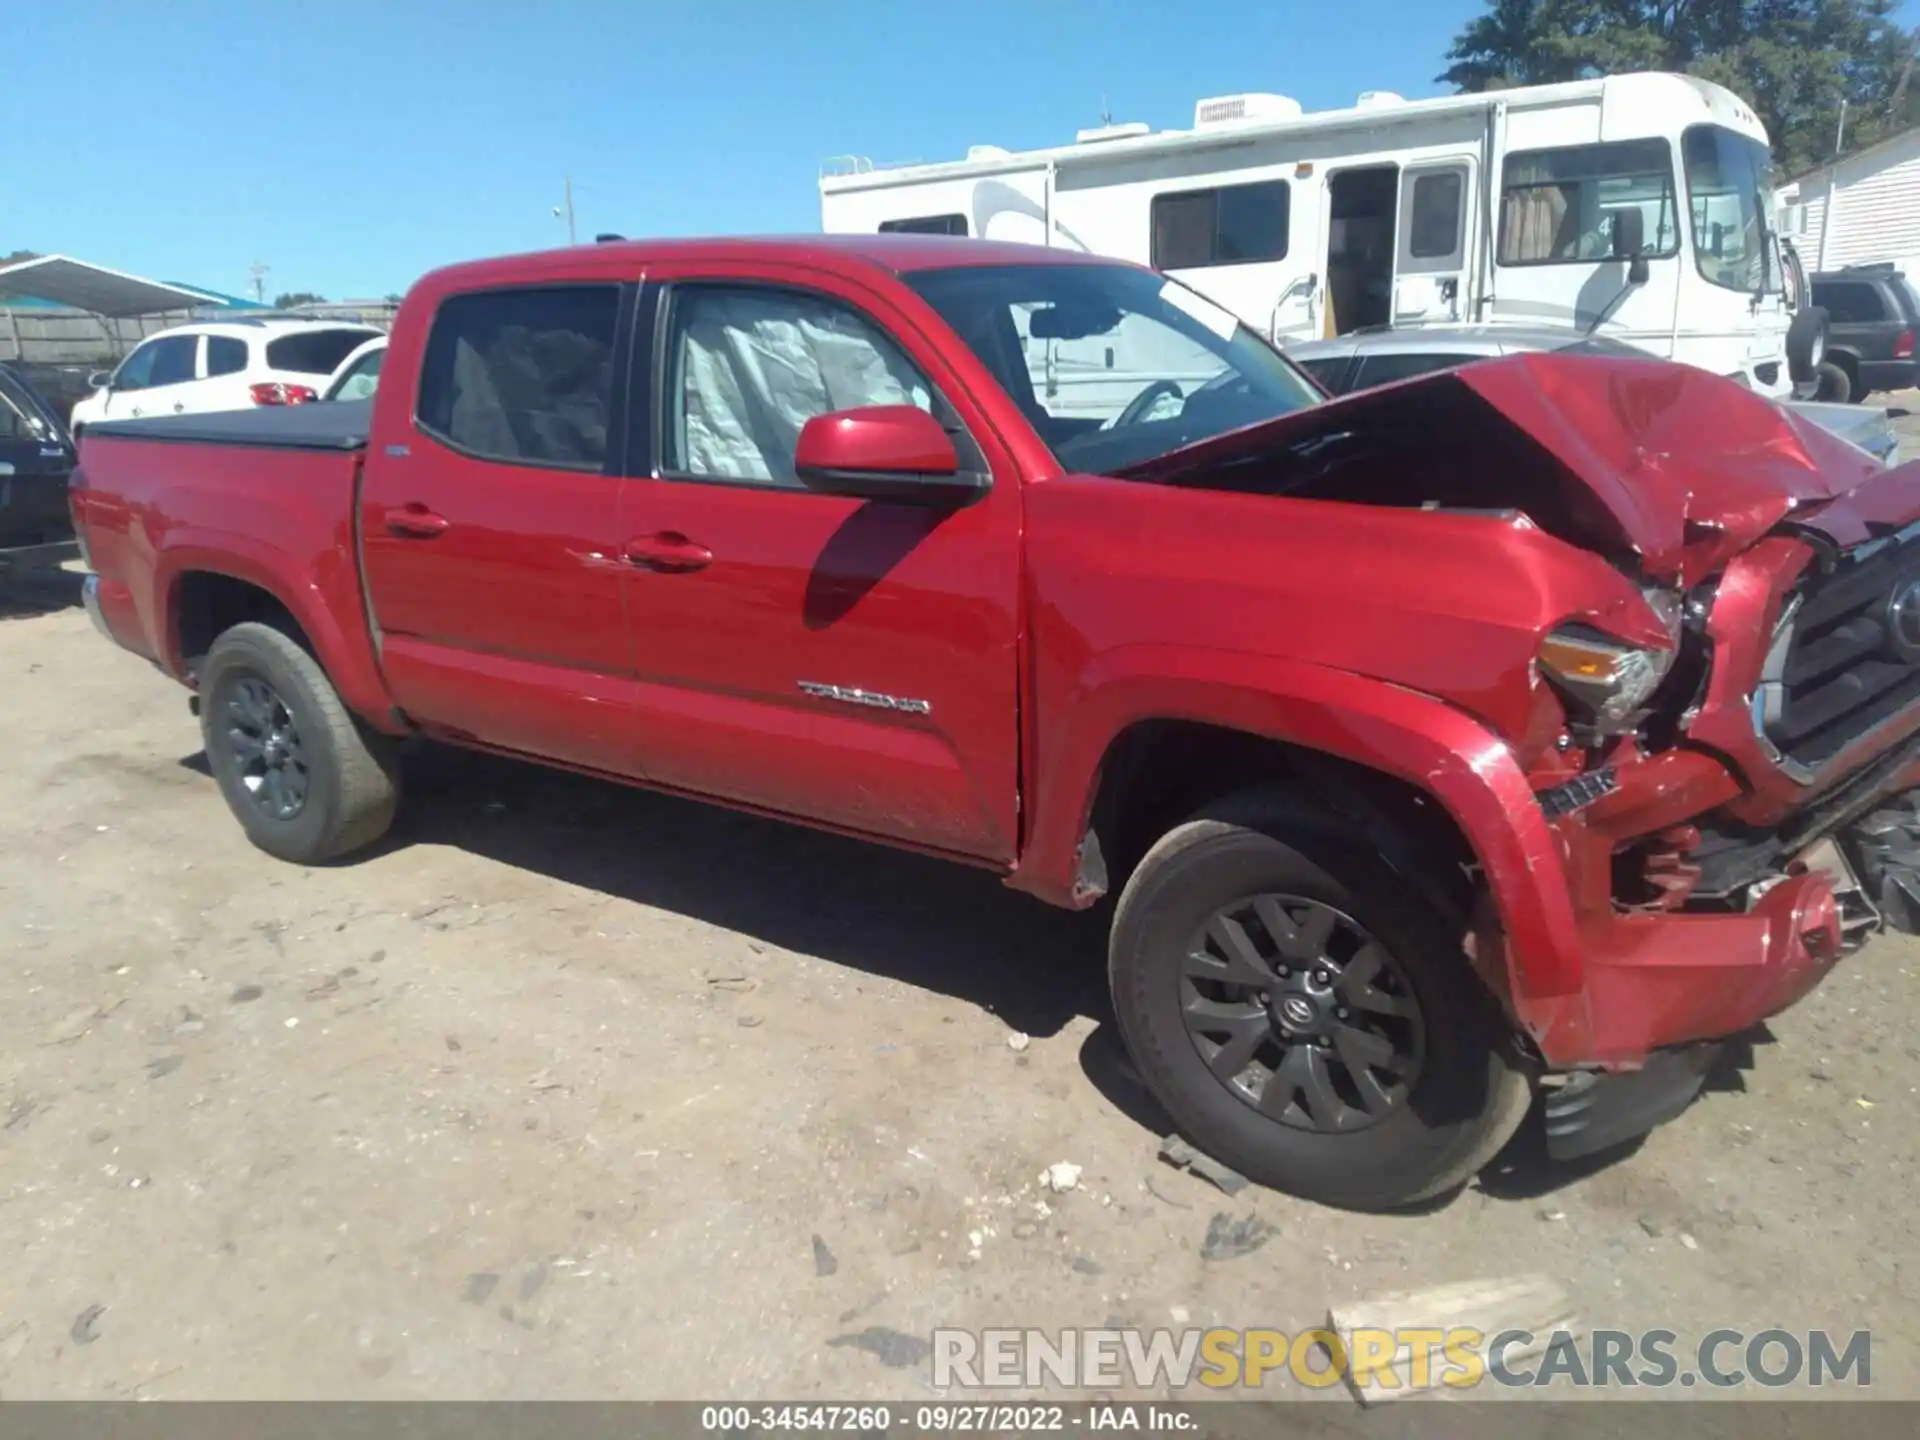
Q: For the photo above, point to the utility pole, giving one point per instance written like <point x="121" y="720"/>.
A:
<point x="566" y="211"/>
<point x="259" y="273"/>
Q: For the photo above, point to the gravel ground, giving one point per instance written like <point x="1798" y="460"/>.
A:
<point x="570" y="1091"/>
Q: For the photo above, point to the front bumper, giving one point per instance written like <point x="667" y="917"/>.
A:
<point x="1693" y="908"/>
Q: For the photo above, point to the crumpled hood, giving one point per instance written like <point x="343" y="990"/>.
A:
<point x="1678" y="466"/>
<point x="1694" y="467"/>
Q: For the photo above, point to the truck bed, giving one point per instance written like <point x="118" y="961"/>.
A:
<point x="328" y="425"/>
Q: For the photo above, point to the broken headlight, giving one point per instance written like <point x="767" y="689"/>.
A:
<point x="1607" y="680"/>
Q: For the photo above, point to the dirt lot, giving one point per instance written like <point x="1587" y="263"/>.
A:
<point x="575" y="1092"/>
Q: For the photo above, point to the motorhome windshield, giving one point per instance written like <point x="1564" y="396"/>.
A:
<point x="1729" y="180"/>
<point x="1113" y="365"/>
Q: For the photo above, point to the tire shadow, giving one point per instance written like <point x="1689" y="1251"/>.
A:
<point x="933" y="924"/>
<point x="33" y="593"/>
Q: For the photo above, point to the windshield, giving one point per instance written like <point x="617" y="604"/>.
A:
<point x="1729" y="185"/>
<point x="1114" y="365"/>
<point x="20" y="419"/>
<point x="361" y="379"/>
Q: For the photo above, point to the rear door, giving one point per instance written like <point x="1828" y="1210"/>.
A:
<point x="489" y="525"/>
<point x="848" y="662"/>
<point x="223" y="375"/>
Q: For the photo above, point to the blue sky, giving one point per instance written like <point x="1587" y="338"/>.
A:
<point x="350" y="145"/>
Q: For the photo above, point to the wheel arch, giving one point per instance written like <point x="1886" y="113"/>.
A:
<point x="206" y="584"/>
<point x="1374" y="755"/>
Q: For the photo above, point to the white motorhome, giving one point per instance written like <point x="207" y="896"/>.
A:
<point x="1310" y="225"/>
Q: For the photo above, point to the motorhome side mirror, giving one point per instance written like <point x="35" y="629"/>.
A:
<point x="884" y="452"/>
<point x="100" y="379"/>
<point x="1629" y="243"/>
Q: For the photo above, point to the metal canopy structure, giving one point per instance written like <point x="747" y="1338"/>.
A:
<point x="96" y="289"/>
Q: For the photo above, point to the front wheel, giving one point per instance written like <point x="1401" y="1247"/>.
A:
<point x="307" y="781"/>
<point x="1304" y="1017"/>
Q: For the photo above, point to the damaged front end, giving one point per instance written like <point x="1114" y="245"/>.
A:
<point x="1727" y="772"/>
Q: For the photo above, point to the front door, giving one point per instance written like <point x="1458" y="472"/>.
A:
<point x="1555" y="262"/>
<point x="490" y="528"/>
<point x="1432" y="252"/>
<point x="849" y="662"/>
<point x="155" y="379"/>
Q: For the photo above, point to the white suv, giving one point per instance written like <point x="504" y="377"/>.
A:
<point x="221" y="365"/>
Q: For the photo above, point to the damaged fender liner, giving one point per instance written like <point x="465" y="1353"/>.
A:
<point x="1659" y="466"/>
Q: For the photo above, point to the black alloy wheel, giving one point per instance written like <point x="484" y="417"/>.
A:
<point x="265" y="742"/>
<point x="1302" y="1014"/>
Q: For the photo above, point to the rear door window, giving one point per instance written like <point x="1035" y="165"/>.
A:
<point x="225" y="355"/>
<point x="1385" y="369"/>
<point x="523" y="376"/>
<point x="314" y="352"/>
<point x="1330" y="371"/>
<point x="1849" y="302"/>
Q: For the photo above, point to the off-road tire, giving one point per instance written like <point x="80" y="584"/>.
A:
<point x="1470" y="1095"/>
<point x="352" y="772"/>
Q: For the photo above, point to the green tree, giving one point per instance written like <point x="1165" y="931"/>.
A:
<point x="1795" y="61"/>
<point x="298" y="297"/>
<point x="18" y="255"/>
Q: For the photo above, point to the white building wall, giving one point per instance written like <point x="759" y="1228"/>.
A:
<point x="1875" y="214"/>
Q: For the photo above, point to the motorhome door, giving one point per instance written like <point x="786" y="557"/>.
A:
<point x="1432" y="255"/>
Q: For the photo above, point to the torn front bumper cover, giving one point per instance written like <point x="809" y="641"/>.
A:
<point x="1591" y="1111"/>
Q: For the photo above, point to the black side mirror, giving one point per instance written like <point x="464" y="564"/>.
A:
<point x="1628" y="231"/>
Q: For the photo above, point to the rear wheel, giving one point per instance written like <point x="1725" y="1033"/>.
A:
<point x="1304" y="1017"/>
<point x="307" y="781"/>
<point x="1835" y="385"/>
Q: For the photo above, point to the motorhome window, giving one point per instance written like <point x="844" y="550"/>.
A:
<point x="1729" y="187"/>
<point x="1183" y="368"/>
<point x="1556" y="206"/>
<point x="926" y="225"/>
<point x="1225" y="225"/>
<point x="1434" y="227"/>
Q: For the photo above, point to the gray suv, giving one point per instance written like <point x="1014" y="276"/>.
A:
<point x="1367" y="358"/>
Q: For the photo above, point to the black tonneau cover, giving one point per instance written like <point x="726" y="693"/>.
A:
<point x="320" y="425"/>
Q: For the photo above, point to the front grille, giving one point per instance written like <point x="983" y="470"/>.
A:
<point x="1846" y="656"/>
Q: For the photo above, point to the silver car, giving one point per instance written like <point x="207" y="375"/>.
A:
<point x="1367" y="358"/>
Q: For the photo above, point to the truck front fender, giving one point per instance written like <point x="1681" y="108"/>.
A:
<point x="1424" y="742"/>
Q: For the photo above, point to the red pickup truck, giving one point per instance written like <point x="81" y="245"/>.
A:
<point x="1513" y="733"/>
